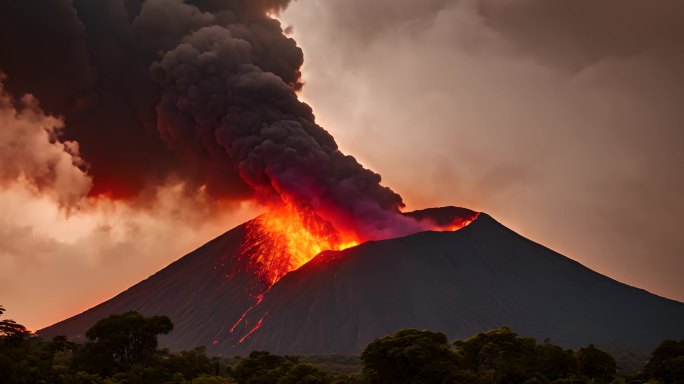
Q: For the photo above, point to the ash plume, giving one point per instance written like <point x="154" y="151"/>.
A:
<point x="216" y="80"/>
<point x="230" y="88"/>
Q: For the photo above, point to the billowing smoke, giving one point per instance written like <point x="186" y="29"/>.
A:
<point x="225" y="91"/>
<point x="31" y="151"/>
<point x="89" y="62"/>
<point x="218" y="80"/>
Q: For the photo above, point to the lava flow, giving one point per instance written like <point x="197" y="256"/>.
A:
<point x="285" y="238"/>
<point x="461" y="222"/>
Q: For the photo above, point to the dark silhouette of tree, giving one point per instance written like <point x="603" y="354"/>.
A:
<point x="501" y="356"/>
<point x="10" y="330"/>
<point x="667" y="363"/>
<point x="205" y="379"/>
<point x="124" y="340"/>
<point x="554" y="362"/>
<point x="264" y="368"/>
<point x="193" y="363"/>
<point x="593" y="363"/>
<point x="257" y="368"/>
<point x="410" y="356"/>
<point x="123" y="349"/>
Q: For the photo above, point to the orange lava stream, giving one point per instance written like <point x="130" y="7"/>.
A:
<point x="285" y="238"/>
<point x="259" y="298"/>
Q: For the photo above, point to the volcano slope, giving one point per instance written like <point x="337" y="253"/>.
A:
<point x="477" y="278"/>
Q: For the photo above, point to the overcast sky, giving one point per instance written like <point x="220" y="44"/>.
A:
<point x="563" y="120"/>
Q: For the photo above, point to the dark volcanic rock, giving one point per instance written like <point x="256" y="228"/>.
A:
<point x="202" y="293"/>
<point x="480" y="277"/>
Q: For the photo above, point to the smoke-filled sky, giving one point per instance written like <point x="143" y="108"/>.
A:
<point x="562" y="120"/>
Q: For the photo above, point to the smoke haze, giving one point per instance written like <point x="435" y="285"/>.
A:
<point x="144" y="119"/>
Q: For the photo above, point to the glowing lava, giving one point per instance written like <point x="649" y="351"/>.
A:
<point x="462" y="222"/>
<point x="285" y="238"/>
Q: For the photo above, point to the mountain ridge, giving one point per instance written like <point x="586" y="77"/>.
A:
<point x="480" y="277"/>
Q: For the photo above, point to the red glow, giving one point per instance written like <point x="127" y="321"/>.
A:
<point x="258" y="300"/>
<point x="461" y="222"/>
<point x="112" y="190"/>
<point x="285" y="238"/>
<point x="254" y="329"/>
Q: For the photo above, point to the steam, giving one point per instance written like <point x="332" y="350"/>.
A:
<point x="31" y="150"/>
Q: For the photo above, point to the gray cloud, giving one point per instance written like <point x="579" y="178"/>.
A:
<point x="562" y="120"/>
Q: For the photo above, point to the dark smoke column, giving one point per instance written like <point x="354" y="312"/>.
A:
<point x="230" y="88"/>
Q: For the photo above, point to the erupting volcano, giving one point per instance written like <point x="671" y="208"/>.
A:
<point x="285" y="238"/>
<point x="228" y="108"/>
<point x="254" y="289"/>
<point x="334" y="261"/>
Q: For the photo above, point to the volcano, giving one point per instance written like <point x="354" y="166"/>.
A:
<point x="478" y="277"/>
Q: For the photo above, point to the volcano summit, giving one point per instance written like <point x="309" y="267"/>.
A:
<point x="459" y="282"/>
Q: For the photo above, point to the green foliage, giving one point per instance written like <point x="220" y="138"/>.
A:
<point x="667" y="363"/>
<point x="501" y="356"/>
<point x="554" y="362"/>
<point x="410" y="356"/>
<point x="593" y="363"/>
<point x="80" y="377"/>
<point x="192" y="363"/>
<point x="259" y="367"/>
<point x="337" y="365"/>
<point x="263" y="367"/>
<point x="206" y="379"/>
<point x="127" y="339"/>
<point x="123" y="349"/>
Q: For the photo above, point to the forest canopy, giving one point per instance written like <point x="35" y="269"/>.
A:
<point x="123" y="348"/>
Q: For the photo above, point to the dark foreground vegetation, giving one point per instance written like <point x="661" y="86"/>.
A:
<point x="123" y="349"/>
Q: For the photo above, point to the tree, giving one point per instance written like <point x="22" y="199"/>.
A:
<point x="190" y="364"/>
<point x="125" y="340"/>
<point x="300" y="373"/>
<point x="501" y="356"/>
<point x="667" y="362"/>
<point x="15" y="353"/>
<point x="593" y="363"/>
<point x="263" y="367"/>
<point x="206" y="379"/>
<point x="256" y="367"/>
<point x="10" y="330"/>
<point x="553" y="361"/>
<point x="410" y="356"/>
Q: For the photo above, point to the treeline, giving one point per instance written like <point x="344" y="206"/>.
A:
<point x="123" y="349"/>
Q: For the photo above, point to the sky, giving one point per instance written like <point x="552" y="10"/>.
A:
<point x="561" y="120"/>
